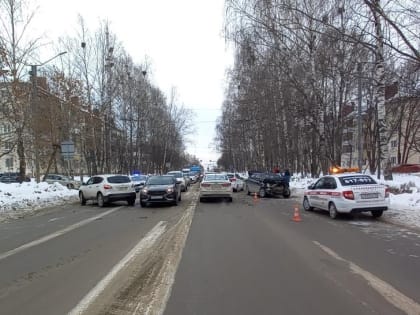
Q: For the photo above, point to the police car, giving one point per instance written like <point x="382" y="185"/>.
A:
<point x="347" y="193"/>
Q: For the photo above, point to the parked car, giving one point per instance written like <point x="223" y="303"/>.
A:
<point x="139" y="181"/>
<point x="237" y="182"/>
<point x="63" y="180"/>
<point x="13" y="177"/>
<point x="347" y="193"/>
<point x="161" y="189"/>
<point x="179" y="177"/>
<point x="108" y="188"/>
<point x="406" y="168"/>
<point x="216" y="186"/>
<point x="267" y="184"/>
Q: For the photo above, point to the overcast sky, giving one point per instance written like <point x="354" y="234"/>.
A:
<point x="181" y="38"/>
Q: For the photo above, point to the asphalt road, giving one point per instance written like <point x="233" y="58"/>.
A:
<point x="250" y="257"/>
<point x="49" y="262"/>
<point x="244" y="257"/>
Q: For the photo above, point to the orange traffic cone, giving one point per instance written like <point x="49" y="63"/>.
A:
<point x="296" y="215"/>
<point x="255" y="197"/>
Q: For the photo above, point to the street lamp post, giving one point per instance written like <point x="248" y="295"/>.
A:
<point x="33" y="73"/>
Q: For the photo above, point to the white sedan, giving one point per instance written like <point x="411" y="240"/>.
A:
<point x="216" y="186"/>
<point x="347" y="193"/>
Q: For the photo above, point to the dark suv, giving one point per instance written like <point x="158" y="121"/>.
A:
<point x="267" y="184"/>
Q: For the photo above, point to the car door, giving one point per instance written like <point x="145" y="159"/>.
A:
<point x="92" y="187"/>
<point x="329" y="186"/>
<point x="315" y="195"/>
<point x="253" y="183"/>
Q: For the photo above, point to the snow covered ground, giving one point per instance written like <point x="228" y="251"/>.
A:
<point x="18" y="200"/>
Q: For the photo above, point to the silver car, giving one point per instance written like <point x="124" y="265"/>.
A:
<point x="63" y="180"/>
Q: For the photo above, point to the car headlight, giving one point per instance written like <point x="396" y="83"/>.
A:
<point x="144" y="191"/>
<point x="169" y="190"/>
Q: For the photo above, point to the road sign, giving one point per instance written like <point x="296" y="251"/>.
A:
<point x="67" y="149"/>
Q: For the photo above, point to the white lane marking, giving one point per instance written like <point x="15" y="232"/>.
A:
<point x="55" y="219"/>
<point x="55" y="234"/>
<point x="392" y="295"/>
<point x="144" y="244"/>
<point x="162" y="293"/>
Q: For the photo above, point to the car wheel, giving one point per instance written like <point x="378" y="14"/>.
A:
<point x="82" y="199"/>
<point x="143" y="204"/>
<point x="131" y="201"/>
<point x="377" y="213"/>
<point x="333" y="211"/>
<point x="100" y="200"/>
<point x="286" y="193"/>
<point x="230" y="199"/>
<point x="179" y="197"/>
<point x="70" y="186"/>
<point x="175" y="202"/>
<point x="247" y="190"/>
<point x="307" y="205"/>
<point x="201" y="199"/>
<point x="262" y="193"/>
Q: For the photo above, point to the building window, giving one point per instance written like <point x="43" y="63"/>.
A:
<point x="393" y="143"/>
<point x="8" y="145"/>
<point x="393" y="160"/>
<point x="9" y="163"/>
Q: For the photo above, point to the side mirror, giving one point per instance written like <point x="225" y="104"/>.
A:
<point x="311" y="186"/>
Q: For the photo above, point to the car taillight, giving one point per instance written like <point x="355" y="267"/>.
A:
<point x="387" y="192"/>
<point x="232" y="179"/>
<point x="348" y="194"/>
<point x="106" y="186"/>
<point x="226" y="184"/>
<point x="205" y="185"/>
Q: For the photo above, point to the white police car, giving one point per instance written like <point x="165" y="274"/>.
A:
<point x="347" y="193"/>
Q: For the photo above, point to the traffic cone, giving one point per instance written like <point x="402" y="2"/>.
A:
<point x="296" y="215"/>
<point x="255" y="197"/>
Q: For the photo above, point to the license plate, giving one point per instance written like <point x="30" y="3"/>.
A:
<point x="122" y="188"/>
<point x="215" y="186"/>
<point x="369" y="196"/>
<point x="155" y="197"/>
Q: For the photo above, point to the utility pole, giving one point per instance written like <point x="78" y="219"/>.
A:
<point x="108" y="104"/>
<point x="359" y="118"/>
<point x="35" y="112"/>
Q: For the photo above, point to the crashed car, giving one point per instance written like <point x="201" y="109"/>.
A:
<point x="267" y="185"/>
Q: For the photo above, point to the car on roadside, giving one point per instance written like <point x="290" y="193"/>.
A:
<point x="215" y="186"/>
<point x="161" y="189"/>
<point x="347" y="193"/>
<point x="138" y="181"/>
<point x="267" y="185"/>
<point x="64" y="180"/>
<point x="13" y="177"/>
<point x="179" y="177"/>
<point x="107" y="188"/>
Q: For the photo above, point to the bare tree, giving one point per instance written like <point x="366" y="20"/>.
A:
<point x="16" y="46"/>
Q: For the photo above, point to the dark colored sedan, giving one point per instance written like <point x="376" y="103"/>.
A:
<point x="8" y="178"/>
<point x="160" y="189"/>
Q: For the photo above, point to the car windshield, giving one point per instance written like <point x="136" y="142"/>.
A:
<point x="356" y="180"/>
<point x="119" y="179"/>
<point x="160" y="180"/>
<point x="138" y="178"/>
<point x="212" y="177"/>
<point x="176" y="174"/>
